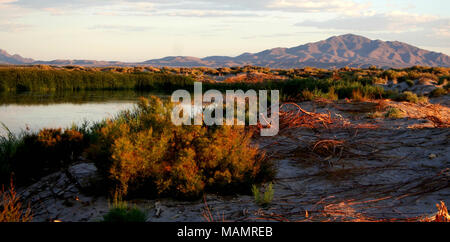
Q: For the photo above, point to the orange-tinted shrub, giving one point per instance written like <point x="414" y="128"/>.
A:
<point x="11" y="209"/>
<point x="146" y="153"/>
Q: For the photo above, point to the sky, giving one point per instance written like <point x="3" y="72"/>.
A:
<point x="138" y="30"/>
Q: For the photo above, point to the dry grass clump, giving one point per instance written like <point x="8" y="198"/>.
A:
<point x="208" y="216"/>
<point x="375" y="115"/>
<point x="317" y="94"/>
<point x="441" y="216"/>
<point x="300" y="118"/>
<point x="328" y="147"/>
<point x="307" y="95"/>
<point x="11" y="209"/>
<point x="331" y="151"/>
<point x="358" y="96"/>
<point x="253" y="78"/>
<point x="344" y="212"/>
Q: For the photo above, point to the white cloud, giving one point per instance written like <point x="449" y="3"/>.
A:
<point x="218" y="5"/>
<point x="13" y="27"/>
<point x="392" y="22"/>
<point x="55" y="11"/>
<point x="123" y="28"/>
<point x="9" y="16"/>
<point x="441" y="31"/>
<point x="316" y="6"/>
<point x="7" y="1"/>
<point x="209" y="14"/>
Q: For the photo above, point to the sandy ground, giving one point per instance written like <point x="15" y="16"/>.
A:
<point x="398" y="170"/>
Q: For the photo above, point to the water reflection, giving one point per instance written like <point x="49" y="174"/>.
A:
<point x="74" y="97"/>
<point x="19" y="111"/>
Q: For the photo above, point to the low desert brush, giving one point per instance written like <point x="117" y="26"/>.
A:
<point x="411" y="97"/>
<point x="394" y="113"/>
<point x="441" y="216"/>
<point x="11" y="209"/>
<point x="438" y="92"/>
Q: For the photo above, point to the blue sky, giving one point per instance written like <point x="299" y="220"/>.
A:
<point x="137" y="30"/>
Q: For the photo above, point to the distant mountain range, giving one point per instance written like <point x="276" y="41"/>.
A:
<point x="338" y="51"/>
<point x="6" y="58"/>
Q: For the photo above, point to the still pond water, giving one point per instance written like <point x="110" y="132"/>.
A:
<point x="34" y="111"/>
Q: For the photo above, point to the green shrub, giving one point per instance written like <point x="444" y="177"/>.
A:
<point x="438" y="92"/>
<point x="408" y="97"/>
<point x="423" y="99"/>
<point x="8" y="149"/>
<point x="392" y="94"/>
<point x="394" y="113"/>
<point x="411" y="97"/>
<point x="410" y="82"/>
<point x="266" y="197"/>
<point x="121" y="212"/>
<point x="121" y="215"/>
